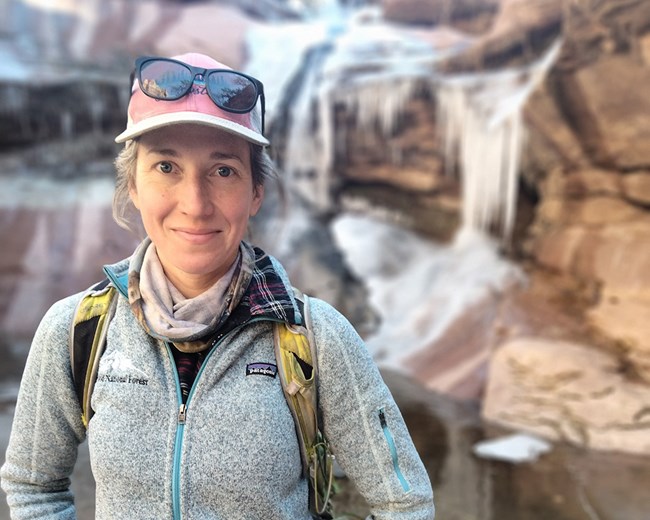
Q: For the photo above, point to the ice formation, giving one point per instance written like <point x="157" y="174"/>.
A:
<point x="372" y="69"/>
<point x="481" y="116"/>
<point x="516" y="448"/>
<point x="417" y="288"/>
<point x="357" y="62"/>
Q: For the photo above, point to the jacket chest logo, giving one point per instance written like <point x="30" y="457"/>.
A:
<point x="261" y="369"/>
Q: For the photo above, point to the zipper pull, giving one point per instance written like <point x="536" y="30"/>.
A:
<point x="181" y="414"/>
<point x="382" y="418"/>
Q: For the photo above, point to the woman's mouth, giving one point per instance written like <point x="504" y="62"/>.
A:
<point x="196" y="236"/>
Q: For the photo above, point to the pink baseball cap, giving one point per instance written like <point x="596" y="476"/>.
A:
<point x="146" y="113"/>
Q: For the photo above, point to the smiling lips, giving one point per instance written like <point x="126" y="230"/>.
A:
<point x="196" y="236"/>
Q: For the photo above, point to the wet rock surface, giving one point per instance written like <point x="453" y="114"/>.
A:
<point x="567" y="483"/>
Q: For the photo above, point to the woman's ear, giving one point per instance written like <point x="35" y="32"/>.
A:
<point x="258" y="198"/>
<point x="133" y="194"/>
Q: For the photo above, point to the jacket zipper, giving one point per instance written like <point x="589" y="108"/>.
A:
<point x="178" y="441"/>
<point x="393" y="451"/>
<point x="182" y="416"/>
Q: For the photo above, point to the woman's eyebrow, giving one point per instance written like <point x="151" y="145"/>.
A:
<point x="223" y="155"/>
<point x="171" y="152"/>
<point x="163" y="151"/>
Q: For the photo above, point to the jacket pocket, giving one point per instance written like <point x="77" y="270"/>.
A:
<point x="390" y="443"/>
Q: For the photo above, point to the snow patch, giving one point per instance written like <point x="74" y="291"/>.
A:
<point x="516" y="448"/>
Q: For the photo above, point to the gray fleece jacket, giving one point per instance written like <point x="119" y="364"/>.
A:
<point x="233" y="452"/>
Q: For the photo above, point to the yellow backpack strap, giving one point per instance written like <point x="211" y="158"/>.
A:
<point x="295" y="352"/>
<point x="88" y="340"/>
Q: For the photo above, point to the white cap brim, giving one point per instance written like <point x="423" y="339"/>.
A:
<point x="175" y="118"/>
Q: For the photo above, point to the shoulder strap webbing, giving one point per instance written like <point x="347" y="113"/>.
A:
<point x="295" y="353"/>
<point x="88" y="340"/>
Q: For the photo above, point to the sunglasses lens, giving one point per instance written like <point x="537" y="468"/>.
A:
<point x="162" y="79"/>
<point x="232" y="91"/>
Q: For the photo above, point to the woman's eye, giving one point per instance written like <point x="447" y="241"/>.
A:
<point x="225" y="171"/>
<point x="165" y="167"/>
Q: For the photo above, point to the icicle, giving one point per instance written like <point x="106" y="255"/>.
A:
<point x="13" y="99"/>
<point x="326" y="152"/>
<point x="96" y="109"/>
<point x="378" y="101"/>
<point x="124" y="96"/>
<point x="481" y="119"/>
<point x="368" y="70"/>
<point x="309" y="145"/>
<point x="66" y="124"/>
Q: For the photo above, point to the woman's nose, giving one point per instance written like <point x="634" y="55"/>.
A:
<point x="195" y="197"/>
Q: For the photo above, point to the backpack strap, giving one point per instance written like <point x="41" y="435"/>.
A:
<point x="88" y="340"/>
<point x="295" y="353"/>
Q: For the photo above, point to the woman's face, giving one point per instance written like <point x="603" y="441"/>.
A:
<point x="194" y="189"/>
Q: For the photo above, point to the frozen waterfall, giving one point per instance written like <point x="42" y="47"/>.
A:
<point x="372" y="69"/>
<point x="481" y="115"/>
<point x="418" y="289"/>
<point x="357" y="62"/>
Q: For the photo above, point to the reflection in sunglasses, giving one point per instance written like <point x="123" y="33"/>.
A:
<point x="151" y="87"/>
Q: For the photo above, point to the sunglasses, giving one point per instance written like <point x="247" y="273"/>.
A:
<point x="168" y="80"/>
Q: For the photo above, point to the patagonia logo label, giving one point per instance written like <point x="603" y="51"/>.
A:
<point x="261" y="369"/>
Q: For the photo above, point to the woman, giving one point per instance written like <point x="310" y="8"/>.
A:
<point x="197" y="437"/>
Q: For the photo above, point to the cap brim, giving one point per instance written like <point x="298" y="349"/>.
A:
<point x="177" y="118"/>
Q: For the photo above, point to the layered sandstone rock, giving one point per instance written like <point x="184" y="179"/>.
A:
<point x="82" y="53"/>
<point x="569" y="392"/>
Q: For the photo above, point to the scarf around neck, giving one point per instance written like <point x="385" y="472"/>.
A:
<point x="259" y="289"/>
<point x="167" y="312"/>
<point x="186" y="322"/>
